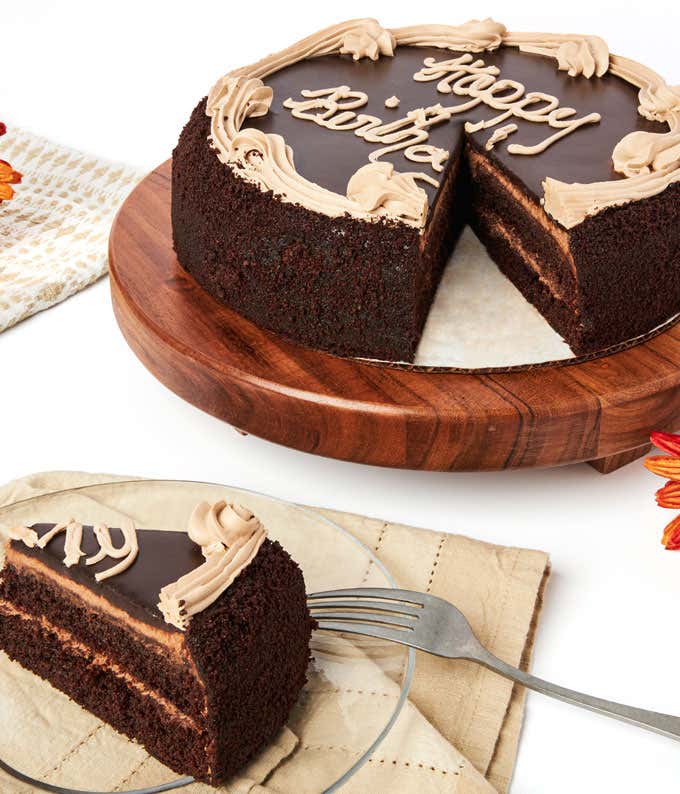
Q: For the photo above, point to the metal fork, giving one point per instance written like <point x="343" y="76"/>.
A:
<point x="430" y="624"/>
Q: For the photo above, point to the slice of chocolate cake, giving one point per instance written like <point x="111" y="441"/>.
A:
<point x="320" y="190"/>
<point x="194" y="644"/>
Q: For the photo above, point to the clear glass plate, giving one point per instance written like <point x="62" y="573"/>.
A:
<point x="343" y="668"/>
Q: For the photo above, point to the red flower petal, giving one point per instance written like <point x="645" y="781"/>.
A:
<point x="668" y="442"/>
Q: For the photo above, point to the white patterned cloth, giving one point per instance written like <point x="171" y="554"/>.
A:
<point x="54" y="232"/>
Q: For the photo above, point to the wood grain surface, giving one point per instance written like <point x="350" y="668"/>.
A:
<point x="600" y="410"/>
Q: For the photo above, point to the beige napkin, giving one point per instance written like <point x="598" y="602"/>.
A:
<point x="458" y="733"/>
<point x="54" y="233"/>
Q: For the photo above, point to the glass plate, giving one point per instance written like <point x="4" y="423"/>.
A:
<point x="342" y="669"/>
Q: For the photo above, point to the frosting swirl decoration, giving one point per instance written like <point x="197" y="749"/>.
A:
<point x="658" y="100"/>
<point x="231" y="101"/>
<point x="644" y="152"/>
<point x="212" y="526"/>
<point x="377" y="186"/>
<point x="368" y="40"/>
<point x="587" y="57"/>
<point x="360" y="36"/>
<point x="230" y="536"/>
<point x="474" y="36"/>
<point x="577" y="55"/>
<point x="572" y="203"/>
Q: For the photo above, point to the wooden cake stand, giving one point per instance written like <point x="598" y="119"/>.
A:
<point x="600" y="411"/>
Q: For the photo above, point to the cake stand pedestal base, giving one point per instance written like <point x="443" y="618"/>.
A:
<point x="612" y="462"/>
<point x="600" y="411"/>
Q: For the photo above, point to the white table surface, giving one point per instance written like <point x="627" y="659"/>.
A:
<point x="119" y="80"/>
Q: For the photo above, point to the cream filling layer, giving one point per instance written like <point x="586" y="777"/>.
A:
<point x="99" y="660"/>
<point x="498" y="227"/>
<point x="560" y="236"/>
<point x="167" y="641"/>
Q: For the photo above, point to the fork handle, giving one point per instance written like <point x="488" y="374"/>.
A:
<point x="665" y="724"/>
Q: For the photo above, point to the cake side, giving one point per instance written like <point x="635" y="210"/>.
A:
<point x="161" y="664"/>
<point x="628" y="260"/>
<point x="347" y="286"/>
<point x="251" y="648"/>
<point x="110" y="692"/>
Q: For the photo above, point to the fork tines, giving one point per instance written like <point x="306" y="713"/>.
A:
<point x="376" y="593"/>
<point x="399" y="609"/>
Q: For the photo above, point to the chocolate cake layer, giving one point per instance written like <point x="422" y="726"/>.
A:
<point x="107" y="690"/>
<point x="523" y="269"/>
<point x="204" y="700"/>
<point x="363" y="288"/>
<point x="159" y="661"/>
<point x="527" y="247"/>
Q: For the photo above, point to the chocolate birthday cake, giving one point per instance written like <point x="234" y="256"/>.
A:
<point x="194" y="644"/>
<point x="320" y="191"/>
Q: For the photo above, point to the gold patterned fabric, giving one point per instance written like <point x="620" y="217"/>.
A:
<point x="54" y="233"/>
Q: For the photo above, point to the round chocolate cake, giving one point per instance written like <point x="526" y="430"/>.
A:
<point x="320" y="191"/>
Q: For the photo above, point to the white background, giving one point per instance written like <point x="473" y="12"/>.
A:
<point x="119" y="79"/>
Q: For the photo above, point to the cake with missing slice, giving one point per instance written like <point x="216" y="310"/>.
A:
<point x="320" y="190"/>
<point x="194" y="644"/>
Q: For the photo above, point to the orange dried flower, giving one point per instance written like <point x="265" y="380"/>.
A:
<point x="669" y="495"/>
<point x="664" y="466"/>
<point x="8" y="176"/>
<point x="671" y="535"/>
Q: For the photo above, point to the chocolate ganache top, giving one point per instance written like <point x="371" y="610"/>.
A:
<point x="164" y="556"/>
<point x="330" y="157"/>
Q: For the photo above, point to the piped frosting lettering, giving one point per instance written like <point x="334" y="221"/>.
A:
<point x="336" y="108"/>
<point x="464" y="76"/>
<point x="126" y="553"/>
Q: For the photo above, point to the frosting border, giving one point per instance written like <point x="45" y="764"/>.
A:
<point x="650" y="164"/>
